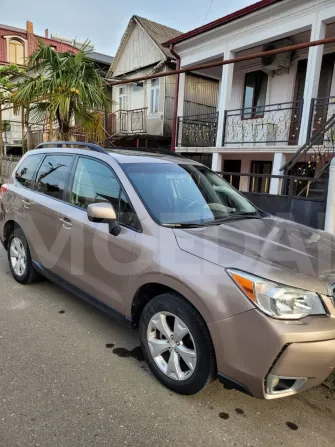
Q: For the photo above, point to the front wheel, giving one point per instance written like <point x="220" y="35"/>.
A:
<point x="176" y="344"/>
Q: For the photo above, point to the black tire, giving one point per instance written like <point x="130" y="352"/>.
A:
<point x="29" y="275"/>
<point x="205" y="368"/>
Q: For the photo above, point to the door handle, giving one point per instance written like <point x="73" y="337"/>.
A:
<point x="26" y="204"/>
<point x="67" y="224"/>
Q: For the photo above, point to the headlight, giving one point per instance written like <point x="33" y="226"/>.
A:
<point x="278" y="300"/>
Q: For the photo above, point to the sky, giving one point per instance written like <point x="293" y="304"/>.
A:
<point x="103" y="22"/>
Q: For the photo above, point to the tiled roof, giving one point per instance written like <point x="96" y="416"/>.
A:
<point x="159" y="33"/>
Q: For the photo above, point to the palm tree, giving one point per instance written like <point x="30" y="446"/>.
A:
<point x="63" y="87"/>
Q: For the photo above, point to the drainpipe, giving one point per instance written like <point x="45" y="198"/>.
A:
<point x="175" y="107"/>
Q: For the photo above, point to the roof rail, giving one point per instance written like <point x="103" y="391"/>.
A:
<point x="146" y="149"/>
<point x="91" y="146"/>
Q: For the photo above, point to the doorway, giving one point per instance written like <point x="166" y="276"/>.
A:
<point x="232" y="166"/>
<point x="260" y="184"/>
<point x="298" y="101"/>
<point x="321" y="106"/>
<point x="321" y="103"/>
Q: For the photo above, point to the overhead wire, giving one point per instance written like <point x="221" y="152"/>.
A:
<point x="208" y="11"/>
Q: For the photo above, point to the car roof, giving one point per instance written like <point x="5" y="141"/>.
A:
<point x="135" y="156"/>
<point x="124" y="156"/>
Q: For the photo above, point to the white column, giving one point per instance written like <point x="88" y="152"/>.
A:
<point x="181" y="95"/>
<point x="180" y="109"/>
<point x="278" y="161"/>
<point x="225" y="94"/>
<point x="217" y="162"/>
<point x="315" y="55"/>
<point x="330" y="208"/>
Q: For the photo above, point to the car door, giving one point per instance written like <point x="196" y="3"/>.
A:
<point x="44" y="204"/>
<point x="92" y="259"/>
<point x="20" y="195"/>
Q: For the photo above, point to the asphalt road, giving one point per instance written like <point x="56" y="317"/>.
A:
<point x="63" y="383"/>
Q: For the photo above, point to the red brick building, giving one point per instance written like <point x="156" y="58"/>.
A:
<point x="16" y="44"/>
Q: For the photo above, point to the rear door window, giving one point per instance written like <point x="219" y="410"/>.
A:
<point x="52" y="176"/>
<point x="26" y="170"/>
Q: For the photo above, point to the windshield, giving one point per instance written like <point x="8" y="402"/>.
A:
<point x="185" y="194"/>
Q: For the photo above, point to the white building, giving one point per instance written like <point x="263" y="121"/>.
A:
<point x="266" y="109"/>
<point x="143" y="111"/>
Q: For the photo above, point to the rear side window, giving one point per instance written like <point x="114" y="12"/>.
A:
<point x="52" y="175"/>
<point x="26" y="170"/>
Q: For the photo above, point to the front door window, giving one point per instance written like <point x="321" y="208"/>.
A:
<point x="96" y="182"/>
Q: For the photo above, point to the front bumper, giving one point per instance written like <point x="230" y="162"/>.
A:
<point x="251" y="349"/>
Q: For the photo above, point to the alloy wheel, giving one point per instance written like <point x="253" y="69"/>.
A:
<point x="18" y="257"/>
<point x="172" y="346"/>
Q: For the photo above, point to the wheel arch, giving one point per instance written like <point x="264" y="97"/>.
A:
<point x="9" y="227"/>
<point x="157" y="286"/>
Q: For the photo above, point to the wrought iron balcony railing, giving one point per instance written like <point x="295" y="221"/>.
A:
<point x="321" y="110"/>
<point x="197" y="130"/>
<point x="269" y="124"/>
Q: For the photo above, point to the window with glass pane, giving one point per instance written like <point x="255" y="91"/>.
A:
<point x="137" y="87"/>
<point x="255" y="88"/>
<point x="26" y="170"/>
<point x="52" y="175"/>
<point x="127" y="215"/>
<point x="94" y="182"/>
<point x="16" y="51"/>
<point x="123" y="98"/>
<point x="154" y="96"/>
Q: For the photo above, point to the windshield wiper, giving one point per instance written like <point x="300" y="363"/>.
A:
<point x="236" y="216"/>
<point x="184" y="225"/>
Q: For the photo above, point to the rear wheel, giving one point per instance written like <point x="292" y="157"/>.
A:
<point x="19" y="258"/>
<point x="176" y="344"/>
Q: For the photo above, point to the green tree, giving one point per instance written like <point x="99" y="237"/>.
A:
<point x="63" y="87"/>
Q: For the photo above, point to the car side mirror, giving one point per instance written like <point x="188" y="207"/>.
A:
<point x="104" y="213"/>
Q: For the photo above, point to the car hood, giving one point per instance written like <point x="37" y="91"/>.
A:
<point x="272" y="248"/>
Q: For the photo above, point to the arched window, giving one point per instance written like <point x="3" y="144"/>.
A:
<point x="16" y="51"/>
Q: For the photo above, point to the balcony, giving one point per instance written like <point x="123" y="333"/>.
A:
<point x="321" y="110"/>
<point x="127" y="121"/>
<point x="197" y="130"/>
<point x="270" y="125"/>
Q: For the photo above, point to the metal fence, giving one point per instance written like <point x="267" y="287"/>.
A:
<point x="293" y="197"/>
<point x="197" y="130"/>
<point x="322" y="109"/>
<point x="269" y="124"/>
<point x="7" y="165"/>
